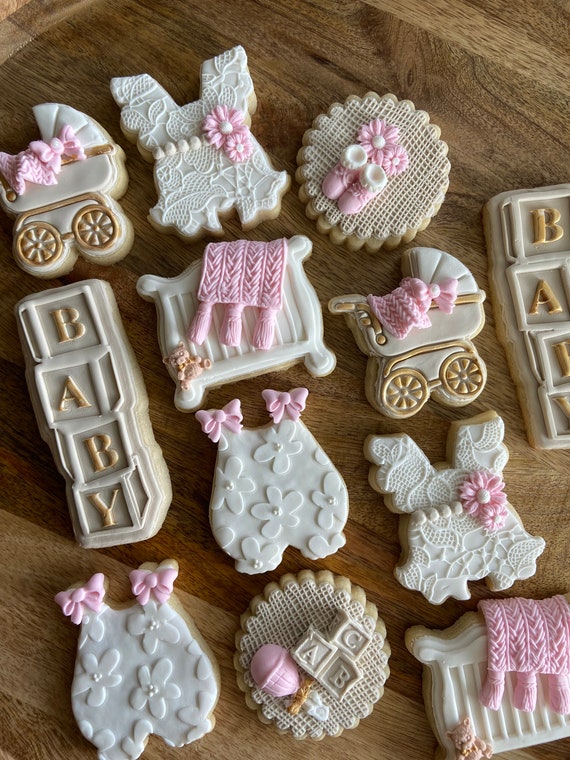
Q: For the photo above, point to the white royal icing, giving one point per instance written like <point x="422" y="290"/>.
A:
<point x="196" y="181"/>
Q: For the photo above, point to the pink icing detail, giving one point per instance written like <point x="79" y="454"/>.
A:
<point x="395" y="160"/>
<point x="376" y="138"/>
<point x="90" y="596"/>
<point x="41" y="161"/>
<point x="275" y="671"/>
<point x="226" y="130"/>
<point x="527" y="637"/>
<point x="238" y="147"/>
<point x="238" y="274"/>
<point x="285" y="404"/>
<point x="147" y="583"/>
<point x="214" y="421"/>
<point x="482" y="495"/>
<point x="406" y="306"/>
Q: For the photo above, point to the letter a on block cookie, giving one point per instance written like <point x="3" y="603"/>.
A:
<point x="207" y="161"/>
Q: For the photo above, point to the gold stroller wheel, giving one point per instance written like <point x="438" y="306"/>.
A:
<point x="95" y="228"/>
<point x="404" y="393"/>
<point x="463" y="377"/>
<point x="37" y="245"/>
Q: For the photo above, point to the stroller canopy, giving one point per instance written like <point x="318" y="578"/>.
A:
<point x="432" y="265"/>
<point x="51" y="117"/>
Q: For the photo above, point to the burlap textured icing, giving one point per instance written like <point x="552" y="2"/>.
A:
<point x="408" y="200"/>
<point x="312" y="603"/>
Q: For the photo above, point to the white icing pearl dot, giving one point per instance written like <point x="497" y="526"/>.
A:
<point x="434" y="290"/>
<point x="276" y="511"/>
<point x="278" y="446"/>
<point x="256" y="563"/>
<point x="229" y="485"/>
<point x="483" y="496"/>
<point x="195" y="143"/>
<point x="153" y="625"/>
<point x="395" y="161"/>
<point x="56" y="144"/>
<point x="239" y="147"/>
<point x="226" y="127"/>
<point x="97" y="677"/>
<point x="331" y="500"/>
<point x="151" y="690"/>
<point x="378" y="141"/>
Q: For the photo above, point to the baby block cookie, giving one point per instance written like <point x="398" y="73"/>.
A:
<point x="497" y="680"/>
<point x="92" y="410"/>
<point x="312" y="655"/>
<point x="140" y="669"/>
<point x="274" y="486"/>
<point x="528" y="243"/>
<point x="62" y="190"/>
<point x="206" y="160"/>
<point x="460" y="526"/>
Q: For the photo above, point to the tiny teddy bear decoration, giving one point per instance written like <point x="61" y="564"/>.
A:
<point x="274" y="486"/>
<point x="187" y="366"/>
<point x="140" y="669"/>
<point x="469" y="746"/>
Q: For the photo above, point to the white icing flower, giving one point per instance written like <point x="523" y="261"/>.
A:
<point x="154" y="688"/>
<point x="328" y="500"/>
<point x="231" y="486"/>
<point x="92" y="627"/>
<point x="151" y="622"/>
<point x="195" y="717"/>
<point x="278" y="512"/>
<point x="279" y="447"/>
<point x="133" y="746"/>
<point x="103" y="739"/>
<point x="97" y="676"/>
<point x="257" y="559"/>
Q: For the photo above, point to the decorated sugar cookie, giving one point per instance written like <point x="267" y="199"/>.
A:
<point x="62" y="190"/>
<point x="206" y="158"/>
<point x="460" y="525"/>
<point x="499" y="679"/>
<point x="246" y="308"/>
<point x="274" y="486"/>
<point x="140" y="669"/>
<point x="418" y="337"/>
<point x="372" y="171"/>
<point x="312" y="655"/>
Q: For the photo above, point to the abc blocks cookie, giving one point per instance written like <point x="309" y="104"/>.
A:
<point x="92" y="409"/>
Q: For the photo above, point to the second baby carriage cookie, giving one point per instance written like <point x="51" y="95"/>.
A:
<point x="62" y="193"/>
<point x="418" y="337"/>
<point x="274" y="486"/>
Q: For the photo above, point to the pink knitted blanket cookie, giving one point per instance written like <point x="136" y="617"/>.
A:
<point x="527" y="637"/>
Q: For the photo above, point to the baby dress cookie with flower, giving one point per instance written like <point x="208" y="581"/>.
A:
<point x="372" y="171"/>
<point x="460" y="526"/>
<point x="141" y="669"/>
<point x="418" y="337"/>
<point x="274" y="486"/>
<point x="206" y="160"/>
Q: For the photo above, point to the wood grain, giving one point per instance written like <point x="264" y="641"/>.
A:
<point x="494" y="76"/>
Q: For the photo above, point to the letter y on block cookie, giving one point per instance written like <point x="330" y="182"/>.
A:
<point x="460" y="526"/>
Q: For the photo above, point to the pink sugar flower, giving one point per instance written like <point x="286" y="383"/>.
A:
<point x="376" y="137"/>
<point x="395" y="160"/>
<point x="238" y="147"/>
<point x="482" y="495"/>
<point x="222" y="122"/>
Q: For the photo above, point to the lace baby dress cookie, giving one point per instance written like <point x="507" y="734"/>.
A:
<point x="312" y="655"/>
<point x="207" y="162"/>
<point x="246" y="308"/>
<point x="274" y="486"/>
<point x="62" y="190"/>
<point x="418" y="337"/>
<point x="499" y="679"/>
<point x="372" y="172"/>
<point x="460" y="526"/>
<point x="140" y="669"/>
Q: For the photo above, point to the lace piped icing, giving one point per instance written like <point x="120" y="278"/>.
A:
<point x="40" y="163"/>
<point x="527" y="637"/>
<point x="239" y="274"/>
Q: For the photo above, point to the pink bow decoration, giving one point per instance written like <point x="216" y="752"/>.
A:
<point x="50" y="153"/>
<point x="285" y="404"/>
<point x="214" y="421"/>
<point x="443" y="294"/>
<point x="158" y="583"/>
<point x="74" y="601"/>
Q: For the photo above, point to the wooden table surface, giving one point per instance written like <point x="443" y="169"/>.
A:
<point x="494" y="75"/>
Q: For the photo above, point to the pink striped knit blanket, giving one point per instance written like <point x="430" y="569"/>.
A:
<point x="239" y="274"/>
<point x="527" y="637"/>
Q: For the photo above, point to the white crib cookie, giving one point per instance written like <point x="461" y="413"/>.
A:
<point x="419" y="337"/>
<point x="460" y="526"/>
<point x="62" y="193"/>
<point x="373" y="172"/>
<point x="140" y="669"/>
<point x="92" y="409"/>
<point x="273" y="487"/>
<point x="206" y="160"/>
<point x="312" y="655"/>
<point x="274" y="321"/>
<point x="498" y="681"/>
<point x="528" y="244"/>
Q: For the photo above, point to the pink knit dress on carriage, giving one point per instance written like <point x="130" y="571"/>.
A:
<point x="239" y="274"/>
<point x="527" y="637"/>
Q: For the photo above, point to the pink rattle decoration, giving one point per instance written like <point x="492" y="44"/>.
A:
<point x="90" y="596"/>
<point x="275" y="671"/>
